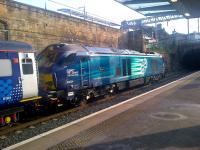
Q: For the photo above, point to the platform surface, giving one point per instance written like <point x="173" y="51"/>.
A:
<point x="166" y="118"/>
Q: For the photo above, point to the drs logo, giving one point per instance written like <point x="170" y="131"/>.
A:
<point x="72" y="72"/>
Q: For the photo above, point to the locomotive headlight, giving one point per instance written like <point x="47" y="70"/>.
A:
<point x="70" y="87"/>
<point x="7" y="120"/>
<point x="70" y="93"/>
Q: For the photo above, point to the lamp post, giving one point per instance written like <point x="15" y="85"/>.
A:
<point x="198" y="24"/>
<point x="45" y="5"/>
<point x="188" y="26"/>
<point x="84" y="10"/>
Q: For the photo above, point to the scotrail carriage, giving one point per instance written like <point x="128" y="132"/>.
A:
<point x="18" y="79"/>
<point x="76" y="72"/>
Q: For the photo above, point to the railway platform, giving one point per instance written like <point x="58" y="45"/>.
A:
<point x="165" y="118"/>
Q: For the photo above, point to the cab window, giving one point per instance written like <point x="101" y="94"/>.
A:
<point x="7" y="64"/>
<point x="27" y="66"/>
<point x="69" y="59"/>
<point x="49" y="56"/>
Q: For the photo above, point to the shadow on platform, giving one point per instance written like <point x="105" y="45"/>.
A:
<point x="179" y="138"/>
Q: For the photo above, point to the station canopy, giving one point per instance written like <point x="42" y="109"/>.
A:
<point x="158" y="8"/>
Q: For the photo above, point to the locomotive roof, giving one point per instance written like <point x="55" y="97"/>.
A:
<point x="100" y="50"/>
<point x="13" y="45"/>
<point x="88" y="50"/>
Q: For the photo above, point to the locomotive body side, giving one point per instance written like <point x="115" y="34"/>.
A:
<point x="112" y="69"/>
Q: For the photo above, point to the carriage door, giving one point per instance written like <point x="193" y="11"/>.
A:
<point x="28" y="75"/>
<point x="84" y="71"/>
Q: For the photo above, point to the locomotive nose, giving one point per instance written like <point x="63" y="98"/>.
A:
<point x="47" y="81"/>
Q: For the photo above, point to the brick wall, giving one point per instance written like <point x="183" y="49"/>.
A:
<point x="40" y="28"/>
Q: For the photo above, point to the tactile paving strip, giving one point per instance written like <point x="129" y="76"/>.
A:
<point x="82" y="139"/>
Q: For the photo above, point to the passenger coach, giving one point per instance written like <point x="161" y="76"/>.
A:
<point x="18" y="79"/>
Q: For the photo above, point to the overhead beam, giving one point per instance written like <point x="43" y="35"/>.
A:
<point x="179" y="6"/>
<point x="149" y="20"/>
<point x="141" y="1"/>
<point x="168" y="13"/>
<point x="163" y="7"/>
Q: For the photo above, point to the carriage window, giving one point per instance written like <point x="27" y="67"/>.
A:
<point x="27" y="66"/>
<point x="6" y="63"/>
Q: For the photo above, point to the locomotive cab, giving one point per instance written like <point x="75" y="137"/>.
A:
<point x="60" y="69"/>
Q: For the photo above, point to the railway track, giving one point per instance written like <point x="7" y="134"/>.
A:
<point x="8" y="132"/>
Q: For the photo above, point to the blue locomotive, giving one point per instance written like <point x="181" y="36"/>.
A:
<point x="73" y="72"/>
<point x="18" y="79"/>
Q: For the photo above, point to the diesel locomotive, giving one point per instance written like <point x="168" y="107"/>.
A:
<point x="73" y="72"/>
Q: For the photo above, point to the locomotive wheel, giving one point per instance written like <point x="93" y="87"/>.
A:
<point x="112" y="90"/>
<point x="90" y="96"/>
<point x="76" y="101"/>
<point x="147" y="80"/>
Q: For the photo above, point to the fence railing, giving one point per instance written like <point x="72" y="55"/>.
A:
<point x="83" y="14"/>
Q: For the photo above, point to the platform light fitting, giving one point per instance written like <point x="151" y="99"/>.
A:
<point x="187" y="14"/>
<point x="174" y="1"/>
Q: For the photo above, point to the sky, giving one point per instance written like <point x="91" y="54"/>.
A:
<point x="112" y="11"/>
